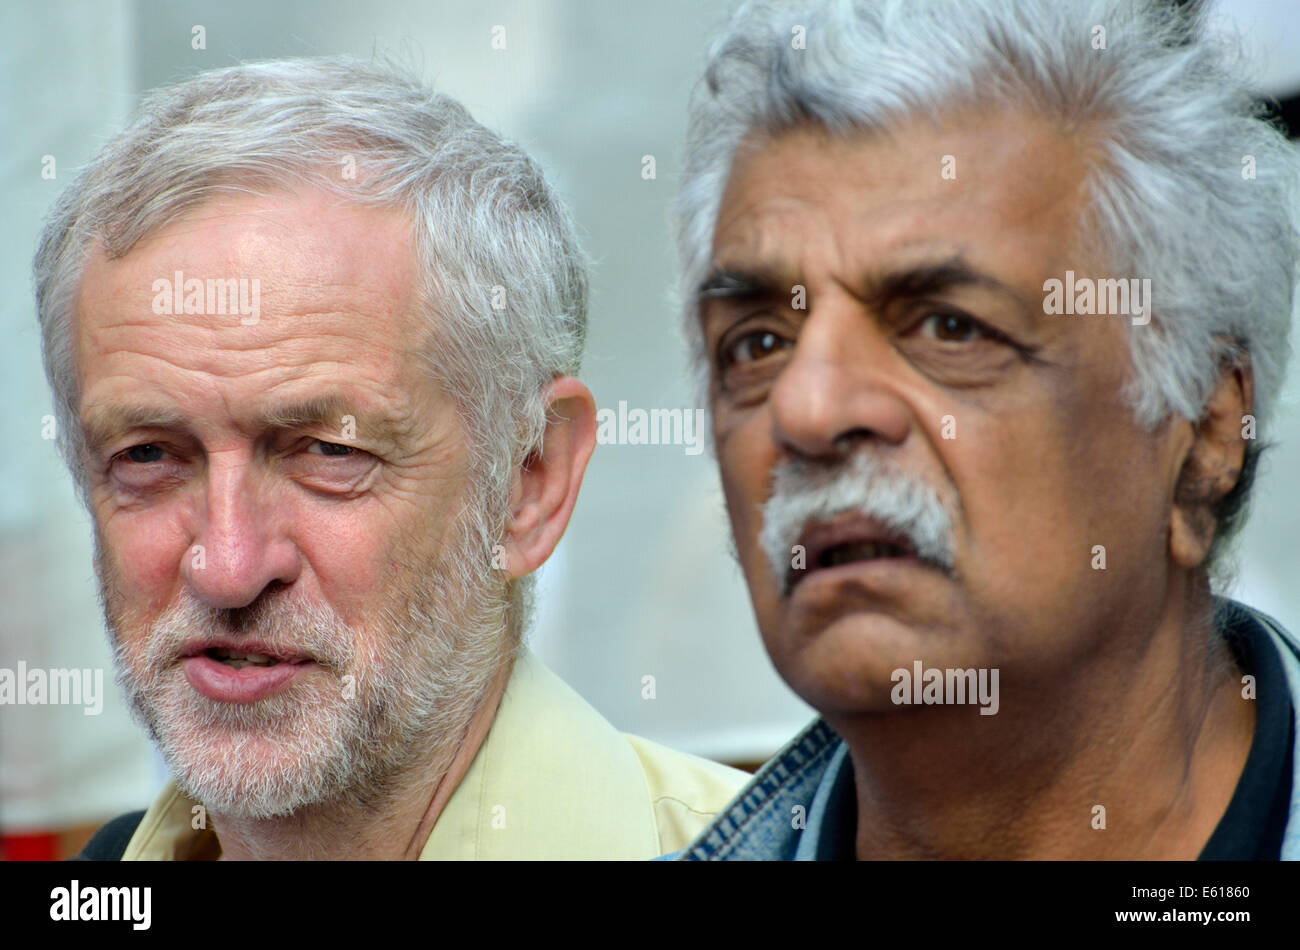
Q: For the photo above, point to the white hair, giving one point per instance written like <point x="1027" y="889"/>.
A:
<point x="1170" y="109"/>
<point x="504" y="279"/>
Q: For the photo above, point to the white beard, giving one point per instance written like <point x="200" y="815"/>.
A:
<point x="416" y="682"/>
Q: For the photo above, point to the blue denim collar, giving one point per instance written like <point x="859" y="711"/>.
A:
<point x="833" y="815"/>
<point x="779" y="815"/>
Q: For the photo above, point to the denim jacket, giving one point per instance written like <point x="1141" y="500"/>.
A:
<point x="797" y="805"/>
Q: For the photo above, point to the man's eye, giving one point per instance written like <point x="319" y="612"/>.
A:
<point x="752" y="347"/>
<point x="330" y="448"/>
<point x="952" y="328"/>
<point x="143" y="454"/>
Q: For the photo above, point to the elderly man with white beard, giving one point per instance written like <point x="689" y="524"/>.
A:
<point x="979" y="529"/>
<point x="312" y="333"/>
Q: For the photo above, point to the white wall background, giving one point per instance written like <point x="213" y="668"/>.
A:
<point x="643" y="583"/>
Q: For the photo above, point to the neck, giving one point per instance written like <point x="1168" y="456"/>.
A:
<point x="393" y="829"/>
<point x="1152" y="728"/>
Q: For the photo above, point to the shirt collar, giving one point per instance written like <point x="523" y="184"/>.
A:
<point x="833" y="815"/>
<point x="1252" y="827"/>
<point x="772" y="814"/>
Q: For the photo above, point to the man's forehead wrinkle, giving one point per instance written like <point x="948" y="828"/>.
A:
<point x="235" y="237"/>
<point x="199" y="217"/>
<point x="296" y="337"/>
<point x="763" y="248"/>
<point x="785" y="244"/>
<point x="759" y="220"/>
<point x="302" y="345"/>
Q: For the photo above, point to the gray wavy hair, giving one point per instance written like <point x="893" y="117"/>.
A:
<point x="484" y="221"/>
<point x="1173" y="115"/>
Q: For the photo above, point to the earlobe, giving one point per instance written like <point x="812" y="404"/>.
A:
<point x="1191" y="532"/>
<point x="1211" y="466"/>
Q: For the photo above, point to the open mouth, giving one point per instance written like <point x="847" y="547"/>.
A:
<point x="847" y="541"/>
<point x="237" y="660"/>
<point x="860" y="551"/>
<point x="244" y="673"/>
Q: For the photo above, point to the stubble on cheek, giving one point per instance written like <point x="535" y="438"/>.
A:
<point x="403" y="685"/>
<point x="279" y="749"/>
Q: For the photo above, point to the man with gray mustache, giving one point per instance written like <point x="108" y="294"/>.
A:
<point x="985" y="537"/>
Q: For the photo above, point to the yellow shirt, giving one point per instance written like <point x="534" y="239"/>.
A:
<point x="552" y="780"/>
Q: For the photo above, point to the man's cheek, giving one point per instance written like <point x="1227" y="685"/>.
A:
<point x="148" y="575"/>
<point x="141" y="581"/>
<point x="1030" y="551"/>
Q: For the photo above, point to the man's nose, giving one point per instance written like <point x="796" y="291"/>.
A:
<point x="836" y="391"/>
<point x="240" y="547"/>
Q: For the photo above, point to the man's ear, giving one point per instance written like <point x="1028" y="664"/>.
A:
<point x="1213" y="464"/>
<point x="545" y="488"/>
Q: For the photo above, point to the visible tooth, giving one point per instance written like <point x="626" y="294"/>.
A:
<point x="239" y="660"/>
<point x="865" y="551"/>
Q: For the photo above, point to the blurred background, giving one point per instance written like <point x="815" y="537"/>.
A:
<point x="643" y="583"/>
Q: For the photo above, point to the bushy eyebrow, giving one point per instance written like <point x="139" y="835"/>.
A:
<point x="105" y="422"/>
<point x="932" y="279"/>
<point x="907" y="282"/>
<point x="727" y="284"/>
<point x="320" y="411"/>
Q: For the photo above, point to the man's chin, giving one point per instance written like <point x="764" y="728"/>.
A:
<point x="249" y="761"/>
<point x="842" y="691"/>
<point x="850" y="664"/>
<point x="256" y="780"/>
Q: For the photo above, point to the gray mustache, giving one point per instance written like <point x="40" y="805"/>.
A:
<point x="314" y="630"/>
<point x="804" y="491"/>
